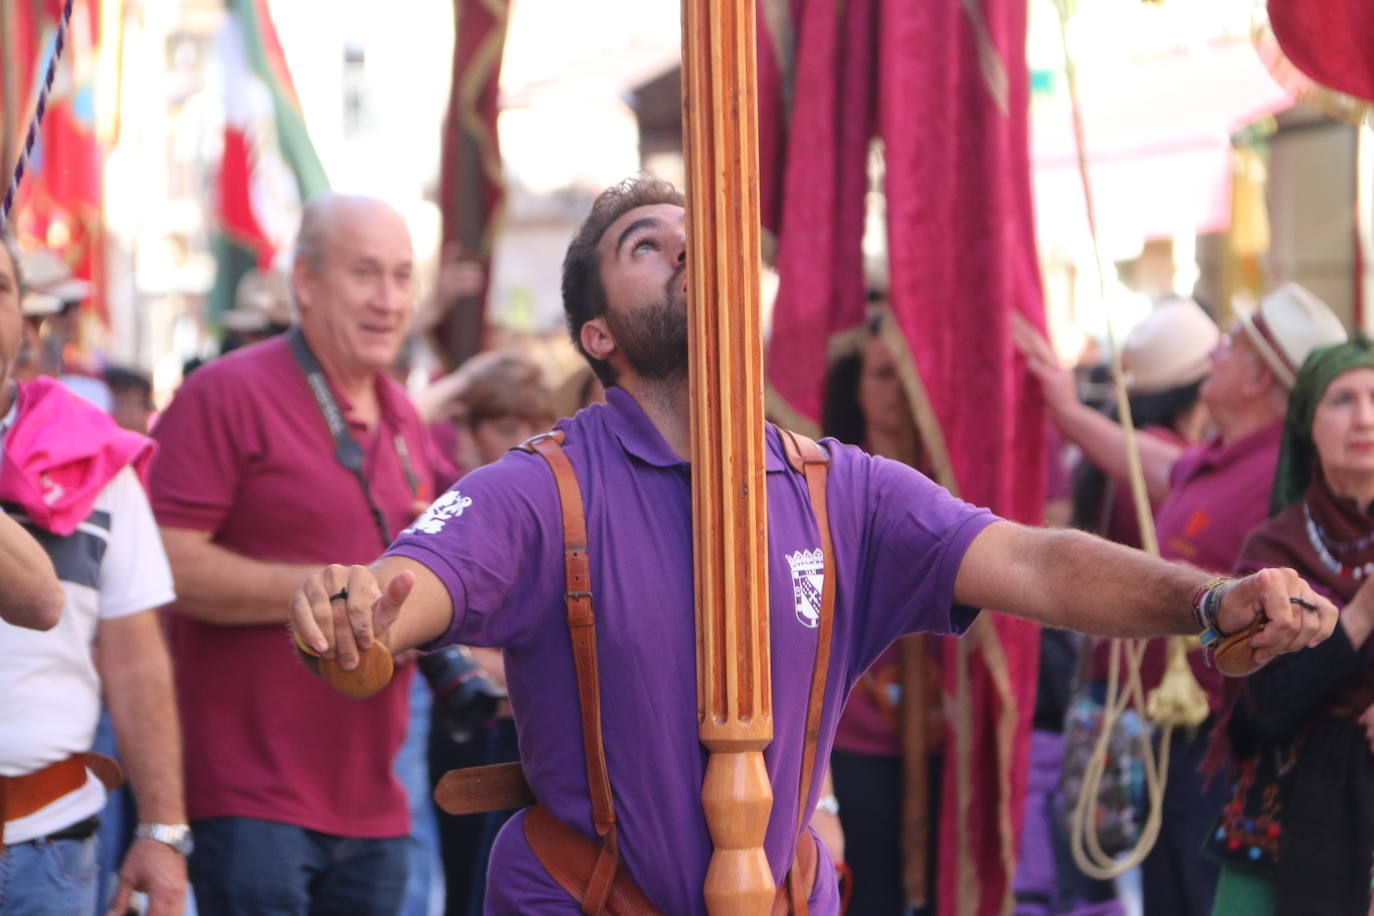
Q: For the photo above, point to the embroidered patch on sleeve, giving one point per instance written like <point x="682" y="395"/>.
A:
<point x="450" y="505"/>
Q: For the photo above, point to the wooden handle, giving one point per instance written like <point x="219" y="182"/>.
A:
<point x="1234" y="657"/>
<point x="373" y="673"/>
<point x="734" y="692"/>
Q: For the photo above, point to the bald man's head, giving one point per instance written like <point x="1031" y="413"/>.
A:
<point x="351" y="281"/>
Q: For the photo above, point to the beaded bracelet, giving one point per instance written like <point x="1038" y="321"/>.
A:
<point x="1206" y="607"/>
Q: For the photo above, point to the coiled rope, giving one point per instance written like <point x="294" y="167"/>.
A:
<point x="1178" y="700"/>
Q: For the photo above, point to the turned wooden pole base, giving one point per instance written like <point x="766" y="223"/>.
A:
<point x="737" y="798"/>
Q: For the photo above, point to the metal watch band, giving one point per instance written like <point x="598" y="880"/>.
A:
<point x="177" y="836"/>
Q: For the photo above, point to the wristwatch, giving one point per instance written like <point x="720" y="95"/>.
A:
<point x="177" y="836"/>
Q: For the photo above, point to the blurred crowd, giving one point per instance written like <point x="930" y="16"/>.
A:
<point x="1256" y="446"/>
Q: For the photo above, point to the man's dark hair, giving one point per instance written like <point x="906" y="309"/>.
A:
<point x="584" y="296"/>
<point x="120" y="379"/>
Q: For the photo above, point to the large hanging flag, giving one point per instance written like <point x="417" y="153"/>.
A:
<point x="269" y="165"/>
<point x="944" y="87"/>
<point x="58" y="205"/>
<point x="471" y="189"/>
<point x="1318" y="50"/>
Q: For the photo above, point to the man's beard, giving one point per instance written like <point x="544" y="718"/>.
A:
<point x="654" y="337"/>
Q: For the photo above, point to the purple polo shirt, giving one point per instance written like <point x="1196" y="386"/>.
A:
<point x="245" y="455"/>
<point x="495" y="540"/>
<point x="1219" y="492"/>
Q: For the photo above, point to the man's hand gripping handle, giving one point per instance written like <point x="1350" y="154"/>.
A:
<point x="339" y="618"/>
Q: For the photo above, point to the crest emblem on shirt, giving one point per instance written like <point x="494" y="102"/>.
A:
<point x="450" y="505"/>
<point x="808" y="578"/>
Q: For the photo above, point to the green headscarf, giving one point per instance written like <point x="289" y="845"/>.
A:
<point x="1297" y="453"/>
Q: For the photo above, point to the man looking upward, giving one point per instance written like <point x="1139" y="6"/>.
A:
<point x="485" y="566"/>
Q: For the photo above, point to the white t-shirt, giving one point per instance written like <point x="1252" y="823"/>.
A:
<point x="113" y="565"/>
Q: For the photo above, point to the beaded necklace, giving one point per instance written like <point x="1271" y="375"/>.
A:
<point x="1317" y="538"/>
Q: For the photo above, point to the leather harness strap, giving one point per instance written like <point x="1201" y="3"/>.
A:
<point x="608" y="891"/>
<point x="582" y="629"/>
<point x="808" y="458"/>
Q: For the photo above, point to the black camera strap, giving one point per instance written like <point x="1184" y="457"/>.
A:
<point x="346" y="449"/>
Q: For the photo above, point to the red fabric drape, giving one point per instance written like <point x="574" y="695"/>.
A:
<point x="1332" y="41"/>
<point x="945" y="88"/>
<point x="471" y="189"/>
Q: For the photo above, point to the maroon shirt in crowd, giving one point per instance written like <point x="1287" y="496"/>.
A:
<point x="1219" y="493"/>
<point x="245" y="454"/>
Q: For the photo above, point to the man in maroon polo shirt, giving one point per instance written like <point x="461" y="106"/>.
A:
<point x="289" y="785"/>
<point x="1213" y="494"/>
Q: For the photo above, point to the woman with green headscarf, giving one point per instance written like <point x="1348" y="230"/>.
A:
<point x="1297" y="836"/>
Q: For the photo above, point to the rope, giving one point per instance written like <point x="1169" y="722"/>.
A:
<point x="32" y="137"/>
<point x="1084" y="841"/>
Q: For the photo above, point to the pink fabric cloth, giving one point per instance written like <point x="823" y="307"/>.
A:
<point x="61" y="452"/>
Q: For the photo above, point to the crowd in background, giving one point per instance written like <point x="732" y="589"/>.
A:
<point x="1258" y="450"/>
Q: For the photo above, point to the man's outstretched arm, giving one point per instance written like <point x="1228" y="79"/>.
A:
<point x="1069" y="579"/>
<point x="396" y="601"/>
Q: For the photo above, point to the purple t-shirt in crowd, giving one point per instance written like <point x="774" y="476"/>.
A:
<point x="496" y="542"/>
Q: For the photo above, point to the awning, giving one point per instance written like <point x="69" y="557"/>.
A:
<point x="1157" y="133"/>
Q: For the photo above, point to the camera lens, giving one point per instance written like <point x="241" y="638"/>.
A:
<point x="464" y="696"/>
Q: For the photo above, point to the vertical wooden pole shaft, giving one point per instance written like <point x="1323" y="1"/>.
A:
<point x="734" y="691"/>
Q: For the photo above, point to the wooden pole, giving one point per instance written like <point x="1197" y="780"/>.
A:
<point x="734" y="690"/>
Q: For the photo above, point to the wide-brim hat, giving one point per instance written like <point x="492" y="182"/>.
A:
<point x="1170" y="348"/>
<point x="39" y="305"/>
<point x="46" y="272"/>
<point x="1289" y="324"/>
<point x="268" y="293"/>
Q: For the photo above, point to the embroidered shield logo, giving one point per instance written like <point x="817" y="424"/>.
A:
<point x="450" y="505"/>
<point x="808" y="578"/>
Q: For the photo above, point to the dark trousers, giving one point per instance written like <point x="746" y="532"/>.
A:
<point x="465" y="840"/>
<point x="1176" y="878"/>
<point x="247" y="867"/>
<point x="869" y="790"/>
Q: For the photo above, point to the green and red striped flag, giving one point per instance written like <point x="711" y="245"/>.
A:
<point x="269" y="165"/>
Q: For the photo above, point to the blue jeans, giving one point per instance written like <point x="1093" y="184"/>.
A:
<point x="43" y="877"/>
<point x="247" y="867"/>
<point x="424" y="883"/>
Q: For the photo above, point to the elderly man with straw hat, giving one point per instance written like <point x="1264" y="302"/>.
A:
<point x="1209" y="497"/>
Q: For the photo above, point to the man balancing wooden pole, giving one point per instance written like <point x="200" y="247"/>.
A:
<point x="575" y="555"/>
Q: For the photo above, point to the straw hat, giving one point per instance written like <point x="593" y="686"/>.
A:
<point x="39" y="305"/>
<point x="1172" y="347"/>
<point x="1289" y="324"/>
<point x="261" y="299"/>
<point x="45" y="272"/>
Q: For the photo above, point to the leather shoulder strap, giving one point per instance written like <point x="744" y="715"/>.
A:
<point x="811" y="461"/>
<point x="581" y="614"/>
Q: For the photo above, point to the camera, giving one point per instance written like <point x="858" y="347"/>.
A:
<point x="465" y="697"/>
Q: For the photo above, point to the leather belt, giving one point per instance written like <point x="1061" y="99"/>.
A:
<point x="21" y="796"/>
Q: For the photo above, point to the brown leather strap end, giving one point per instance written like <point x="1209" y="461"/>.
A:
<point x="476" y="790"/>
<point x="571" y="859"/>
